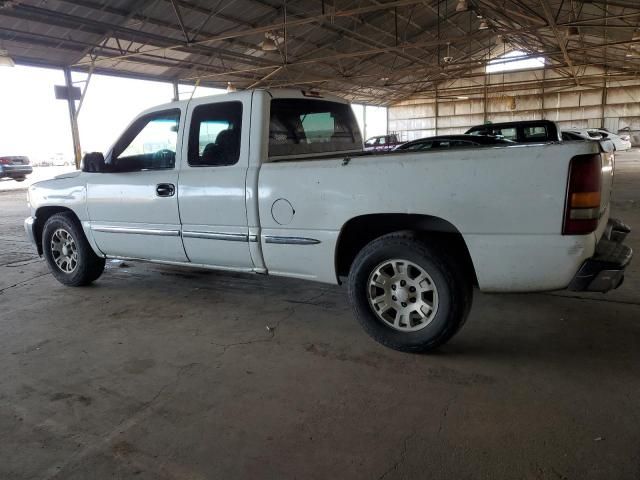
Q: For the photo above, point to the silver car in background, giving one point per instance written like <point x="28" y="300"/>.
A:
<point x="15" y="166"/>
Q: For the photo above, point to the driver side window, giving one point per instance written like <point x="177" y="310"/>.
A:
<point x="149" y="144"/>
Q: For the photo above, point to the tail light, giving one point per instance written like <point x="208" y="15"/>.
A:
<point x="5" y="161"/>
<point x="582" y="210"/>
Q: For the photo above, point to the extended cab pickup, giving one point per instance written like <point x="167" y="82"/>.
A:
<point x="277" y="182"/>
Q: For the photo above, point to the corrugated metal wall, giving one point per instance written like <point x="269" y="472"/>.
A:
<point x="615" y="107"/>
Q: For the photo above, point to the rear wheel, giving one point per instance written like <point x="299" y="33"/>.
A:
<point x="20" y="179"/>
<point x="71" y="259"/>
<point x="407" y="294"/>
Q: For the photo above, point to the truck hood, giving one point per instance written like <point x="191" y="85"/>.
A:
<point x="73" y="174"/>
<point x="58" y="182"/>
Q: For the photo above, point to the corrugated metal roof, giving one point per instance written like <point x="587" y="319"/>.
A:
<point x="371" y="51"/>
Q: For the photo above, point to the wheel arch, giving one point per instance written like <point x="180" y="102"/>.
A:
<point x="43" y="214"/>
<point x="359" y="231"/>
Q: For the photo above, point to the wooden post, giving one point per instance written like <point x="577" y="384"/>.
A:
<point x="73" y="118"/>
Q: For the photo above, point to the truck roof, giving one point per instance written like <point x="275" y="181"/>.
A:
<point x="243" y="94"/>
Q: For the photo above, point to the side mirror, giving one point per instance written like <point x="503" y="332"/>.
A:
<point x="93" y="162"/>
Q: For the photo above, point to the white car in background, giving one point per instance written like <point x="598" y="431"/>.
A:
<point x="59" y="160"/>
<point x="620" y="142"/>
<point x="581" y="134"/>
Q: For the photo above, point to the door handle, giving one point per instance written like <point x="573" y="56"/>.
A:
<point x="165" y="189"/>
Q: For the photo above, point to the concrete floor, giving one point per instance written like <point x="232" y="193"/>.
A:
<point x="165" y="373"/>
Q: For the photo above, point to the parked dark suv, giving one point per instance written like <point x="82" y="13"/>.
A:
<point x="453" y="141"/>
<point x="381" y="143"/>
<point x="16" y="167"/>
<point x="528" y="131"/>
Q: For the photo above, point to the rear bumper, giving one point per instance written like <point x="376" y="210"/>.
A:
<point x="15" y="170"/>
<point x="605" y="270"/>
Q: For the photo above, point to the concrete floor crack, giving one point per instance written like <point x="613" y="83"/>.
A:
<point x="272" y="329"/>
<point x="401" y="460"/>
<point x="445" y="412"/>
<point x="2" y="290"/>
<point x="577" y="297"/>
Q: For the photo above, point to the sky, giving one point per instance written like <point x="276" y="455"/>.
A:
<point x="502" y="63"/>
<point x="35" y="124"/>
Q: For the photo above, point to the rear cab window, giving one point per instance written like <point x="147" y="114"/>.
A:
<point x="537" y="133"/>
<point x="305" y="127"/>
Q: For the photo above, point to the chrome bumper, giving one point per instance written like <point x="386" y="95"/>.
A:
<point x="605" y="270"/>
<point x="29" y="224"/>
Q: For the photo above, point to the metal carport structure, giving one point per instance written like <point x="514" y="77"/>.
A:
<point x="370" y="51"/>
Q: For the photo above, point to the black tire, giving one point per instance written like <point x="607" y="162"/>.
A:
<point x="454" y="289"/>
<point x="20" y="179"/>
<point x="89" y="266"/>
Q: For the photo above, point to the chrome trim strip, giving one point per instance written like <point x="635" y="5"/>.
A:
<point x="136" y="231"/>
<point x="231" y="237"/>
<point x="290" y="240"/>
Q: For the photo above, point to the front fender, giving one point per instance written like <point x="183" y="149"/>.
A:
<point x="64" y="193"/>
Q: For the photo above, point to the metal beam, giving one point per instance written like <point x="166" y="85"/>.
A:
<point x="562" y="42"/>
<point x="176" y="91"/>
<point x="176" y="9"/>
<point x="274" y="26"/>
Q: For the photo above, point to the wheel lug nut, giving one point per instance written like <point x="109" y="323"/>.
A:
<point x="402" y="283"/>
<point x="394" y="298"/>
<point x="412" y="289"/>
<point x="404" y="304"/>
<point x="393" y="287"/>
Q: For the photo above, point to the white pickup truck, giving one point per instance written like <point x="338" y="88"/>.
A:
<point x="276" y="182"/>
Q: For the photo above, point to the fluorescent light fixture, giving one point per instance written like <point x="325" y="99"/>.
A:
<point x="5" y="59"/>
<point x="462" y="6"/>
<point x="462" y="97"/>
<point x="268" y="44"/>
<point x="573" y="32"/>
<point x="483" y="25"/>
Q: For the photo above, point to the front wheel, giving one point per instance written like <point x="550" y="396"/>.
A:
<point x="20" y="179"/>
<point x="407" y="294"/>
<point x="71" y="259"/>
